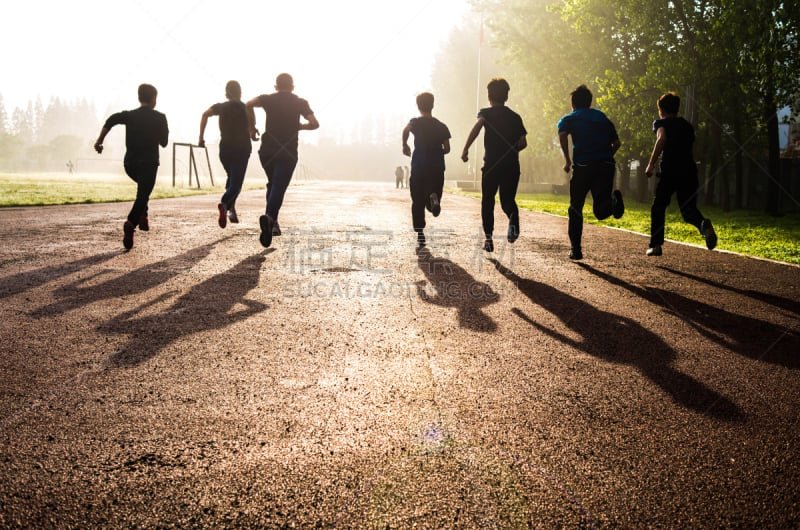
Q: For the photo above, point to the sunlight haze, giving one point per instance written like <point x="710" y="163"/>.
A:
<point x="351" y="59"/>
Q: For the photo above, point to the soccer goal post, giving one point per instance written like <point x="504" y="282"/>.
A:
<point x="192" y="162"/>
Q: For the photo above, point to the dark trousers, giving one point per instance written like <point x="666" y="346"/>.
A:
<point x="594" y="177"/>
<point x="279" y="170"/>
<point x="421" y="185"/>
<point x="143" y="173"/>
<point x="506" y="180"/>
<point x="234" y="160"/>
<point x="685" y="187"/>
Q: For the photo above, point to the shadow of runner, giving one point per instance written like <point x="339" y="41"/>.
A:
<point x="777" y="301"/>
<point x="751" y="337"/>
<point x="23" y="281"/>
<point x="455" y="287"/>
<point x="206" y="306"/>
<point x="75" y="295"/>
<point x="618" y="339"/>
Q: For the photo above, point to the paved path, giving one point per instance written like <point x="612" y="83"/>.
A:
<point x="342" y="379"/>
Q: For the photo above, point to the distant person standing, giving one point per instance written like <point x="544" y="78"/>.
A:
<point x="594" y="143"/>
<point x="431" y="143"/>
<point x="234" y="147"/>
<point x="678" y="174"/>
<point x="278" y="152"/>
<point x="145" y="130"/>
<point x="503" y="138"/>
<point x="399" y="177"/>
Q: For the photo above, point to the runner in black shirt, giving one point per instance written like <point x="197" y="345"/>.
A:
<point x="145" y="130"/>
<point x="503" y="139"/>
<point x="278" y="153"/>
<point x="234" y="147"/>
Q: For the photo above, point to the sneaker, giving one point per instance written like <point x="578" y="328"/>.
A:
<point x="654" y="251"/>
<point x="708" y="232"/>
<point x="223" y="218"/>
<point x="488" y="245"/>
<point x="276" y="229"/>
<point x="420" y="239"/>
<point x="232" y="216"/>
<point x="266" y="230"/>
<point x="144" y="223"/>
<point x="575" y="253"/>
<point x="618" y="207"/>
<point x="127" y="238"/>
<point x="436" y="208"/>
<point x="513" y="231"/>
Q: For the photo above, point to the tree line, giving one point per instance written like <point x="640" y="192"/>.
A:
<point x="48" y="138"/>
<point x="734" y="63"/>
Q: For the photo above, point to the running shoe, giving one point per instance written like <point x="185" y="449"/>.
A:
<point x="144" y="223"/>
<point x="617" y="206"/>
<point x="265" y="221"/>
<point x="223" y="218"/>
<point x="575" y="254"/>
<point x="654" y="251"/>
<point x="436" y="208"/>
<point x="709" y="233"/>
<point x="276" y="229"/>
<point x="488" y="245"/>
<point x="127" y="237"/>
<point x="232" y="215"/>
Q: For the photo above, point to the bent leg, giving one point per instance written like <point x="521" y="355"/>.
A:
<point x="280" y="178"/>
<point x="602" y="185"/>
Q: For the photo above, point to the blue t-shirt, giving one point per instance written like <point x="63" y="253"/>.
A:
<point x="592" y="133"/>
<point x="429" y="135"/>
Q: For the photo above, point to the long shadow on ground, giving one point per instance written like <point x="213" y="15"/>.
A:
<point x="77" y="294"/>
<point x="617" y="339"/>
<point x="206" y="306"/>
<point x="23" y="281"/>
<point x="747" y="336"/>
<point x="455" y="287"/>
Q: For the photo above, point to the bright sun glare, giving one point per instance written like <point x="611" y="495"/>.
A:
<point x="351" y="58"/>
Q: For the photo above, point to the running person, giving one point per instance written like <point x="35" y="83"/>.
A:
<point x="278" y="152"/>
<point x="234" y="147"/>
<point x="145" y="130"/>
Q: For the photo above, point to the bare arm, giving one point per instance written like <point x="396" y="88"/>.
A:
<point x="311" y="123"/>
<point x="563" y="139"/>
<point x="406" y="133"/>
<point x="98" y="144"/>
<point x="203" y="121"/>
<point x="615" y="145"/>
<point x="251" y="117"/>
<point x="476" y="129"/>
<point x="522" y="143"/>
<point x="661" y="139"/>
<point x="446" y="146"/>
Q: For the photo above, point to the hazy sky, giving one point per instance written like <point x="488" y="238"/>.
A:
<point x="349" y="58"/>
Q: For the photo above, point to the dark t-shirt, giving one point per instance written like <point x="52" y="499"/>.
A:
<point x="592" y="134"/>
<point x="233" y="127"/>
<point x="677" y="154"/>
<point x="429" y="135"/>
<point x="283" y="122"/>
<point x="501" y="132"/>
<point x="145" y="130"/>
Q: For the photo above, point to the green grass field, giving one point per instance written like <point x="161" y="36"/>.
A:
<point x="747" y="232"/>
<point x="743" y="231"/>
<point x="87" y="188"/>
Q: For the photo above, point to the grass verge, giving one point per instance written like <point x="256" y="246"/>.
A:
<point x="744" y="231"/>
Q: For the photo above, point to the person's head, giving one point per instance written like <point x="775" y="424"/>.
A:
<point x="669" y="103"/>
<point x="233" y="90"/>
<point x="498" y="89"/>
<point x="581" y="97"/>
<point x="147" y="94"/>
<point x="284" y="83"/>
<point x="425" y="102"/>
